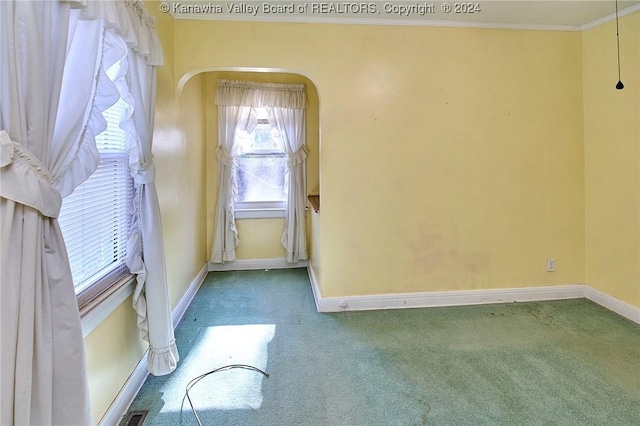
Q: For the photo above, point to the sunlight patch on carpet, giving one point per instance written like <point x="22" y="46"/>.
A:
<point x="234" y="389"/>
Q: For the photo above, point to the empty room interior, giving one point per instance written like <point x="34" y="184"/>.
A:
<point x="457" y="161"/>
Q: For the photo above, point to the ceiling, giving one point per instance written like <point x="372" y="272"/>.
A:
<point x="571" y="15"/>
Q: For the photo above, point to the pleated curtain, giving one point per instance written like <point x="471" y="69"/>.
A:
<point x="53" y="89"/>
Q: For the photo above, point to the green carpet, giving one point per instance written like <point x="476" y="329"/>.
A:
<point x="567" y="362"/>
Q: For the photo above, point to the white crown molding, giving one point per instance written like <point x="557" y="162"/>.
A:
<point x="611" y="17"/>
<point x="373" y="21"/>
<point x="253" y="264"/>
<point x="302" y="19"/>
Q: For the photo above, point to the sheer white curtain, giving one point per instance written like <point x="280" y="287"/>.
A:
<point x="236" y="101"/>
<point x="45" y="152"/>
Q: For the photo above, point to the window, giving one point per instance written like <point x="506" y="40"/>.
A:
<point x="260" y="171"/>
<point x="95" y="218"/>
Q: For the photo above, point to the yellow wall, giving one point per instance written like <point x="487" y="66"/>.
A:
<point x="259" y="238"/>
<point x="180" y="160"/>
<point x="114" y="348"/>
<point x="451" y="158"/>
<point x="612" y="157"/>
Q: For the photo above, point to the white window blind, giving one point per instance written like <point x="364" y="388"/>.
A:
<point x="95" y="218"/>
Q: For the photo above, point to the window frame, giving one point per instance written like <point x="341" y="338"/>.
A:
<point x="97" y="288"/>
<point x="260" y="209"/>
<point x="101" y="288"/>
<point x="91" y="298"/>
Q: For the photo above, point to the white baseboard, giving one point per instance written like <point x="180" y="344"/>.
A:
<point x="470" y="297"/>
<point x="448" y="298"/>
<point x="314" y="287"/>
<point x="252" y="264"/>
<point x="127" y="394"/>
<point x="184" y="303"/>
<point x="616" y="305"/>
<point x="130" y="389"/>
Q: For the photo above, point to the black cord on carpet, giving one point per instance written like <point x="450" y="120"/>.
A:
<point x="202" y="376"/>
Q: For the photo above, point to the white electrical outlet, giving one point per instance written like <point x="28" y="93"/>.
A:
<point x="551" y="264"/>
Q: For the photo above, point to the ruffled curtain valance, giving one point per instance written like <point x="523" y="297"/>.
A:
<point x="253" y="94"/>
<point x="130" y="20"/>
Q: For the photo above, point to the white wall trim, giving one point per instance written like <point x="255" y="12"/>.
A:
<point x="188" y="296"/>
<point x="314" y="287"/>
<point x="402" y="22"/>
<point x="95" y="316"/>
<point x="127" y="394"/>
<point x="611" y="17"/>
<point x="373" y="21"/>
<point x="448" y="298"/>
<point x="131" y="387"/>
<point x="251" y="264"/>
<point x="259" y="213"/>
<point x="616" y="305"/>
<point x="470" y="297"/>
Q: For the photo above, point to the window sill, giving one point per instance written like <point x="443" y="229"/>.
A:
<point x="259" y="213"/>
<point x="92" y="315"/>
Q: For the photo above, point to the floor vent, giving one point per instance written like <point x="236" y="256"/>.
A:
<point x="135" y="418"/>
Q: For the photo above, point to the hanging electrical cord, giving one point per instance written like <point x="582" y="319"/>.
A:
<point x="619" y="85"/>
<point x="202" y="376"/>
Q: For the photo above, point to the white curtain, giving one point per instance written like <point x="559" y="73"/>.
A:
<point x="231" y="118"/>
<point x="45" y="152"/>
<point x="291" y="124"/>
<point x="236" y="101"/>
<point x="43" y="365"/>
<point x="146" y="256"/>
<point x="139" y="50"/>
